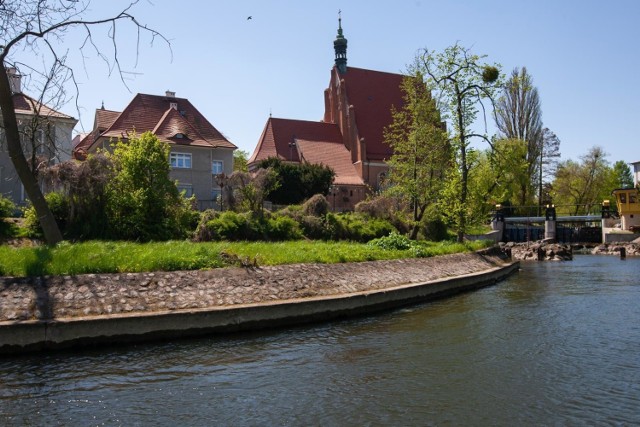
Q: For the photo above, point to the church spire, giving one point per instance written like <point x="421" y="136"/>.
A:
<point x="340" y="47"/>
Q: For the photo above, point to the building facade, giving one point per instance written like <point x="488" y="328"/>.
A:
<point x="636" y="173"/>
<point x="350" y="137"/>
<point x="199" y="154"/>
<point x="45" y="135"/>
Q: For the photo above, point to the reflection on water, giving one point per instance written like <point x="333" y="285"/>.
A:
<point x="558" y="343"/>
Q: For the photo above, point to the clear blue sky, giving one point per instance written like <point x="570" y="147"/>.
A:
<point x="582" y="54"/>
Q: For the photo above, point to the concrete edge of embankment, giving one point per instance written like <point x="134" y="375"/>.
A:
<point x="34" y="335"/>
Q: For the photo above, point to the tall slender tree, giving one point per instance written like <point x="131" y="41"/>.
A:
<point x="421" y="152"/>
<point x="464" y="88"/>
<point x="549" y="156"/>
<point x="622" y="176"/>
<point x="578" y="187"/>
<point x="519" y="118"/>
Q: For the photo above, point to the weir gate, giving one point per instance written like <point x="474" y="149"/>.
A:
<point x="568" y="229"/>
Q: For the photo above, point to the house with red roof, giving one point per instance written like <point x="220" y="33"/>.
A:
<point x="44" y="132"/>
<point x="199" y="154"/>
<point x="349" y="138"/>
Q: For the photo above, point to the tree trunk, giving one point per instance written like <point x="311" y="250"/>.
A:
<point x="462" y="217"/>
<point x="48" y="223"/>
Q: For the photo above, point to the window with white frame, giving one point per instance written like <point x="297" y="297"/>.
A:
<point x="185" y="189"/>
<point x="217" y="167"/>
<point x="180" y="160"/>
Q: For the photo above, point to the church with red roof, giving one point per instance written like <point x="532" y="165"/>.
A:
<point x="349" y="138"/>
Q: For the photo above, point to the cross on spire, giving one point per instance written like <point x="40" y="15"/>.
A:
<point x="340" y="47"/>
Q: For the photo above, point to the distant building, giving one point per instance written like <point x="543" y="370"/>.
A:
<point x="628" y="205"/>
<point x="199" y="152"/>
<point x="350" y="137"/>
<point x="636" y="173"/>
<point x="43" y="131"/>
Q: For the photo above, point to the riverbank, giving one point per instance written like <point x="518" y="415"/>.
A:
<point x="59" y="311"/>
<point x="543" y="251"/>
<point x="629" y="249"/>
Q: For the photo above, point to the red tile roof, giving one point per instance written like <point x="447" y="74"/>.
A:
<point x="104" y="119"/>
<point x="332" y="154"/>
<point x="279" y="133"/>
<point x="25" y="104"/>
<point x="155" y="113"/>
<point x="372" y="93"/>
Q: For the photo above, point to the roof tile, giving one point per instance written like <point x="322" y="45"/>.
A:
<point x="333" y="154"/>
<point x="151" y="113"/>
<point x="372" y="93"/>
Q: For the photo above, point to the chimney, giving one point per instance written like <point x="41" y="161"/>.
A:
<point x="170" y="94"/>
<point x="15" y="80"/>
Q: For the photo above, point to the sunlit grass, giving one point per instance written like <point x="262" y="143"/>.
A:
<point x="121" y="257"/>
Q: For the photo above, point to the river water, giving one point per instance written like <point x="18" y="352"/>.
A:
<point x="555" y="344"/>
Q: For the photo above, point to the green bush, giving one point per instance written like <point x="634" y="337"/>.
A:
<point x="314" y="227"/>
<point x="235" y="226"/>
<point x="59" y="206"/>
<point x="228" y="226"/>
<point x="289" y="224"/>
<point x="7" y="208"/>
<point x="393" y="241"/>
<point x="396" y="241"/>
<point x="283" y="228"/>
<point x="356" y="227"/>
<point x="142" y="202"/>
<point x="389" y="208"/>
<point x="317" y="205"/>
<point x="435" y="230"/>
<point x="297" y="182"/>
<point x="203" y="233"/>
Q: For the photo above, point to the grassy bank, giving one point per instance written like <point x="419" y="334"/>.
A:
<point x="120" y="257"/>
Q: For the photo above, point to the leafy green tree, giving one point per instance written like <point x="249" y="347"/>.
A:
<point x="7" y="209"/>
<point x="622" y="176"/>
<point x="421" y="151"/>
<point x="297" y="182"/>
<point x="247" y="191"/>
<point x="29" y="26"/>
<point x="84" y="186"/>
<point x="498" y="176"/>
<point x="240" y="159"/>
<point x="580" y="186"/>
<point x="143" y="203"/>
<point x="461" y="85"/>
<point x="519" y="118"/>
<point x="548" y="165"/>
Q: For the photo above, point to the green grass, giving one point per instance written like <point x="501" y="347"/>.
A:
<point x="120" y="257"/>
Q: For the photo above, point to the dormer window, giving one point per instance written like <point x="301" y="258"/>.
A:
<point x="180" y="135"/>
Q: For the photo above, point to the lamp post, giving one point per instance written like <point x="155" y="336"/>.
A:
<point x="291" y="145"/>
<point x="333" y="193"/>
<point x="220" y="178"/>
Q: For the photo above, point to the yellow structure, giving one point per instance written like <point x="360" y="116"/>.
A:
<point x="628" y="204"/>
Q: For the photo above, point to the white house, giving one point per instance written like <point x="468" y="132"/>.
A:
<point x="43" y="131"/>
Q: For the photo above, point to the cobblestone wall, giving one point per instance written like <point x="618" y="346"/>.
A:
<point x="60" y="297"/>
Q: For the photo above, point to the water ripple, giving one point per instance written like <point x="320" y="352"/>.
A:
<point x="556" y="344"/>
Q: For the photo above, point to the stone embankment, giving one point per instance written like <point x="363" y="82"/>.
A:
<point x="58" y="297"/>
<point x="544" y="251"/>
<point x="629" y="249"/>
<point x="538" y="251"/>
<point x="52" y="311"/>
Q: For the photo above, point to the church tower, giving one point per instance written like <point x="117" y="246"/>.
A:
<point x="340" y="47"/>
